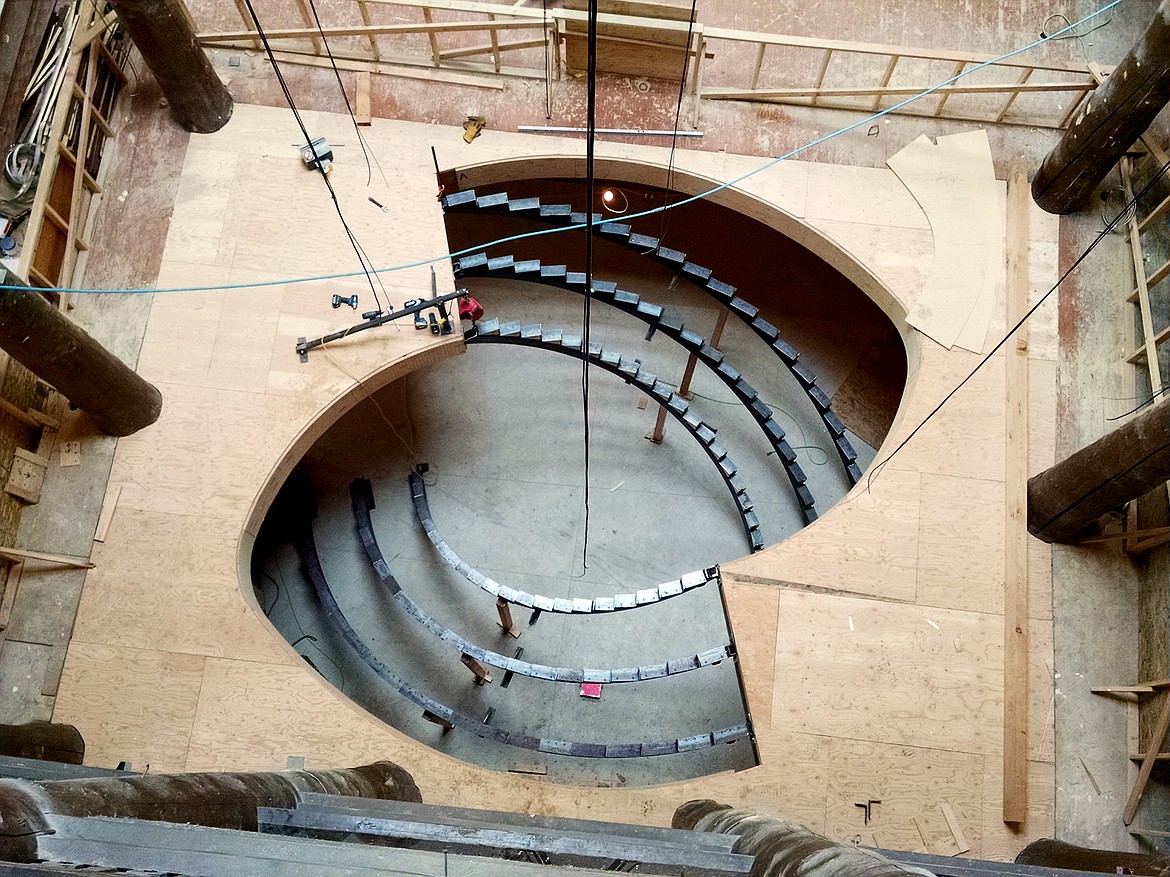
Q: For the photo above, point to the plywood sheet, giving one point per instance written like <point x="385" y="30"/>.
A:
<point x="846" y="675"/>
<point x="961" y="568"/>
<point x="871" y="670"/>
<point x="954" y="182"/>
<point x="128" y="597"/>
<point x="871" y="548"/>
<point x="911" y="783"/>
<point x="754" y="612"/>
<point x="130" y="704"/>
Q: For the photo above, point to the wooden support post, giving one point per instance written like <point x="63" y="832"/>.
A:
<point x="163" y="34"/>
<point x="1015" y="587"/>
<point x="477" y="669"/>
<point x="362" y="99"/>
<point x="1148" y="761"/>
<point x="1128" y="463"/>
<point x="438" y="720"/>
<point x="1114" y="116"/>
<point x="684" y="388"/>
<point x="20" y="555"/>
<point x="505" y="612"/>
<point x="62" y="354"/>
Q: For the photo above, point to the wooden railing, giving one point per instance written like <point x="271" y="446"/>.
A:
<point x="800" y="71"/>
<point x="871" y="80"/>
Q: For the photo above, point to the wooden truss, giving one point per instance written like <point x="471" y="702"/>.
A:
<point x="792" y="70"/>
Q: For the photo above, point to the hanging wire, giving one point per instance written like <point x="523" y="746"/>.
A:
<point x="367" y="265"/>
<point x="590" y="144"/>
<point x="708" y="193"/>
<point x="665" y="225"/>
<point x="1104" y="233"/>
<point x="367" y="153"/>
<point x="547" y="63"/>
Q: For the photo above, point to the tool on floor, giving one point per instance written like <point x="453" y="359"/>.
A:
<point x="371" y="315"/>
<point x="379" y="205"/>
<point x="304" y="345"/>
<point x="420" y="322"/>
<point x="470" y="309"/>
<point x="318" y="154"/>
<point x="435" y="329"/>
<point x="352" y="301"/>
<point x="591" y="690"/>
<point x="444" y="318"/>
<point x="868" y="808"/>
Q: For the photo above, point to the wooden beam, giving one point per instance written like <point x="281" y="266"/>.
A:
<point x="1124" y="465"/>
<point x="391" y="68"/>
<point x="1015" y="597"/>
<point x="19" y="555"/>
<point x="483" y="49"/>
<point x="162" y="33"/>
<point x="1139" y="787"/>
<point x="436" y="55"/>
<point x="888" y="90"/>
<point x="362" y="30"/>
<point x="375" y="52"/>
<point x="1118" y="113"/>
<point x="59" y="352"/>
<point x="362" y="99"/>
<point x="1143" y="285"/>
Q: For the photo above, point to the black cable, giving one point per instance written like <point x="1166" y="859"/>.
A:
<point x="1012" y="331"/>
<point x="590" y="143"/>
<point x="665" y="224"/>
<point x="366" y="153"/>
<point x="1141" y="406"/>
<point x="547" y="70"/>
<point x="367" y="267"/>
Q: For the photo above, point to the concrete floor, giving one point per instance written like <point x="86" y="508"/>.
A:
<point x="500" y="429"/>
<point x="1094" y="591"/>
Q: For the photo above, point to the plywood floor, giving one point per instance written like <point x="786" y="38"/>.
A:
<point x="871" y="641"/>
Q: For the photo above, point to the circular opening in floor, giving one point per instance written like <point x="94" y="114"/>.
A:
<point x="436" y="557"/>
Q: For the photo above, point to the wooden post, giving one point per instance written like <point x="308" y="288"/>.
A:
<point x="684" y="388"/>
<point x="62" y="354"/>
<point x="445" y="724"/>
<point x="1015" y="578"/>
<point x="163" y="35"/>
<point x="505" y="621"/>
<point x="1128" y="463"/>
<point x="1113" y="117"/>
<point x="478" y="670"/>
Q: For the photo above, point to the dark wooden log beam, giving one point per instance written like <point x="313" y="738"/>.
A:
<point x="1046" y="853"/>
<point x="43" y="741"/>
<point x="64" y="355"/>
<point x="1124" y="465"/>
<point x="162" y="33"/>
<point x="218" y="800"/>
<point x="1113" y="117"/>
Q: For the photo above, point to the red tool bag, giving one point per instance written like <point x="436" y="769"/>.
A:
<point x="469" y="309"/>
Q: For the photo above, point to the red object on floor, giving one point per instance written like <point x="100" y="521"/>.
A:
<point x="470" y="309"/>
<point x="591" y="690"/>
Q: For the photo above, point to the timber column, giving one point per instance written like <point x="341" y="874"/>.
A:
<point x="61" y="353"/>
<point x="163" y="34"/>
<point x="1114" y="116"/>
